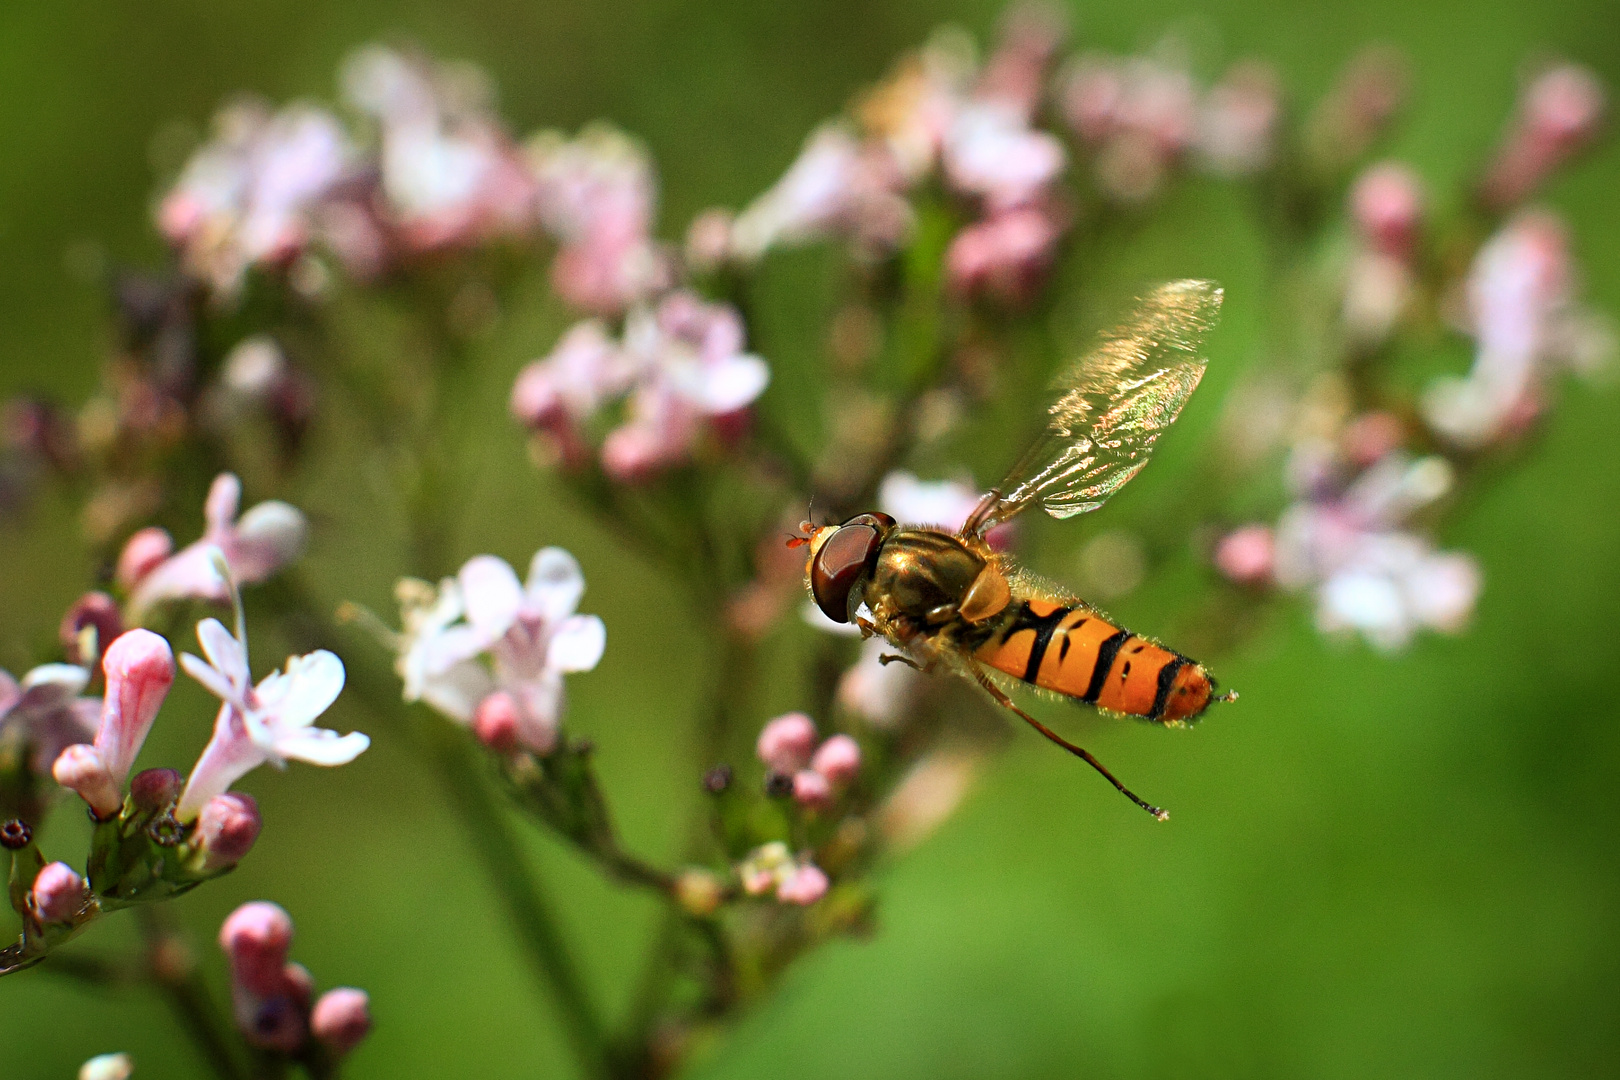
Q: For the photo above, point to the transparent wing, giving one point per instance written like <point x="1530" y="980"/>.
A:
<point x="1112" y="405"/>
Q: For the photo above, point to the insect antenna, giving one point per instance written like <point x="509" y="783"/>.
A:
<point x="1079" y="752"/>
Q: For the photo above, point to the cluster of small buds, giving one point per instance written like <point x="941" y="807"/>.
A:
<point x="1345" y="539"/>
<point x="1386" y="204"/>
<point x="529" y="632"/>
<point x="271" y="997"/>
<point x="813" y="771"/>
<point x="772" y="868"/>
<point x="682" y="366"/>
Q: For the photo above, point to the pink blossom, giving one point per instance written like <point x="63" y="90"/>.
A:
<point x="142" y="553"/>
<point x="271" y="722"/>
<point x="1237" y="121"/>
<point x="341" y="1019"/>
<point x="451" y="176"/>
<point x="58" y="895"/>
<point x="88" y="627"/>
<point x="270" y="997"/>
<point x="786" y="743"/>
<point x="497" y="720"/>
<point x="943" y="503"/>
<point x="597" y="195"/>
<point x="880" y="693"/>
<point x="910" y="112"/>
<point x="47" y="709"/>
<point x="139" y="669"/>
<point x="227" y="829"/>
<point x="690" y="368"/>
<point x="1005" y="256"/>
<point x="1559" y="112"/>
<point x="1386" y="203"/>
<point x="247" y="197"/>
<point x="529" y="631"/>
<point x="1357" y="109"/>
<point x="1015" y="73"/>
<point x="838" y="759"/>
<point x="107" y="1067"/>
<point x="1519" y="297"/>
<point x="561" y="392"/>
<point x="1138" y="114"/>
<point x="804" y="884"/>
<point x="265" y="539"/>
<point x="810" y="788"/>
<point x="992" y="153"/>
<point x="1246" y="555"/>
<point x="838" y="186"/>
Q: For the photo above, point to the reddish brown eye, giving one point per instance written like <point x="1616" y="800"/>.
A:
<point x="839" y="564"/>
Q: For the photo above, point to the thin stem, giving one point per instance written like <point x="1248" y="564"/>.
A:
<point x="181" y="985"/>
<point x="506" y="864"/>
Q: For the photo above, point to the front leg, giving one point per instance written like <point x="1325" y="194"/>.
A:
<point x="895" y="658"/>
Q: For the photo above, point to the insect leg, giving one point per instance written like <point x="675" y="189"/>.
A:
<point x="1007" y="702"/>
<point x="895" y="658"/>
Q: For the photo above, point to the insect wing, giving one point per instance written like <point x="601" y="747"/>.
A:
<point x="1113" y="405"/>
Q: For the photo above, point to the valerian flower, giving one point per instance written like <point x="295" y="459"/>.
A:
<point x="139" y="669"/>
<point x="263" y="540"/>
<point x="450" y="174"/>
<point x="529" y="632"/>
<point x="248" y="197"/>
<point x="46" y="710"/>
<point x="771" y="868"/>
<point x="597" y="194"/>
<point x="270" y="997"/>
<point x="1139" y="115"/>
<point x="1559" y="112"/>
<point x="271" y="722"/>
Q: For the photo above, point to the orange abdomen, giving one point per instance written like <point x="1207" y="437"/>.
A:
<point x="1077" y="653"/>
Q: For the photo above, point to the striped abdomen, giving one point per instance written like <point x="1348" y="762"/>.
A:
<point x="1076" y="652"/>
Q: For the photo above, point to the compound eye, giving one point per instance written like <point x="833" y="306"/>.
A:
<point x="839" y="564"/>
<point x="874" y="518"/>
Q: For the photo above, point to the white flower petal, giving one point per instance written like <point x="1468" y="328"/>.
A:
<point x="307" y="689"/>
<point x="457" y="691"/>
<point x="214" y="682"/>
<point x="318" y="746"/>
<point x="727" y="385"/>
<point x="224" y="652"/>
<point x="577" y="644"/>
<point x="492" y="595"/>
<point x="65" y="680"/>
<point x="10" y="693"/>
<point x="555" y="584"/>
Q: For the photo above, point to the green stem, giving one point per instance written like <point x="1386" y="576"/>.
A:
<point x="181" y="985"/>
<point x="506" y="864"/>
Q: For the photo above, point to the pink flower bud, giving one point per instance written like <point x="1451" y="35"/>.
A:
<point x="95" y="610"/>
<point x="342" y="1019"/>
<point x="786" y="743"/>
<point x="838" y="759"/>
<point x="80" y="769"/>
<point x="256" y="938"/>
<point x="156" y="789"/>
<point x="810" y="788"/>
<point x="496" y="722"/>
<point x="1372" y="435"/>
<point x="58" y="895"/>
<point x="708" y="240"/>
<point x="1564" y="105"/>
<point x="1387" y="203"/>
<point x="140" y="669"/>
<point x="1246" y="555"/>
<point x="273" y="1023"/>
<point x="226" y="829"/>
<point x="142" y="554"/>
<point x="803" y="885"/>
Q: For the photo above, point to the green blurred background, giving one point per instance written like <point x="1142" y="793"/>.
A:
<point x="1377" y="866"/>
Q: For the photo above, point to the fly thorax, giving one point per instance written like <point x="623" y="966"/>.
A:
<point x="920" y="572"/>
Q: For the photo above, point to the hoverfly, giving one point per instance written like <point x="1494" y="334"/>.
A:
<point x="947" y="600"/>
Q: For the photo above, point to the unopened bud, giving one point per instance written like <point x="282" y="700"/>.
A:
<point x="142" y="554"/>
<point x="1246" y="555"/>
<point x="699" y="892"/>
<point x="107" y="1067"/>
<point x="15" y="835"/>
<point x="778" y="785"/>
<point x="58" y="894"/>
<point x="708" y="241"/>
<point x="256" y="937"/>
<point x="155" y="790"/>
<point x="495" y="722"/>
<point x="1387" y="203"/>
<point x="80" y="768"/>
<point x="803" y="885"/>
<point x="274" y="532"/>
<point x="838" y="759"/>
<point x="94" y="612"/>
<point x="226" y="829"/>
<point x="810" y="788"/>
<point x="341" y="1019"/>
<point x="786" y="743"/>
<point x="717" y="779"/>
<point x="274" y="1023"/>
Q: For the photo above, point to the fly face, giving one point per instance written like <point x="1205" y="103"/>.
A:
<point x="842" y="557"/>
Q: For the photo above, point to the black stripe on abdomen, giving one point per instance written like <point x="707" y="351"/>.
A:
<point x="1105" y="663"/>
<point x="1167" y="677"/>
<point x="1044" y="627"/>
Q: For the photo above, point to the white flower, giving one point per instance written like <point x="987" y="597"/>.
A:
<point x="529" y="631"/>
<point x="271" y="722"/>
<point x="991" y="152"/>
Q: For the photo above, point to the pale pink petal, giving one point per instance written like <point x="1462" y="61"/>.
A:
<point x="555" y="584"/>
<point x="729" y="384"/>
<point x="269" y="536"/>
<point x="457" y="690"/>
<point x="140" y="669"/>
<point x="224" y="652"/>
<point x="10" y="693"/>
<point x="212" y="680"/>
<point x="306" y="690"/>
<point x="229" y="756"/>
<point x="318" y="746"/>
<point x="577" y="644"/>
<point x="52" y="682"/>
<point x="219" y="511"/>
<point x="492" y="595"/>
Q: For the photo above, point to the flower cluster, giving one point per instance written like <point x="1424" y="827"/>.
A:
<point x="271" y="997"/>
<point x="528" y="632"/>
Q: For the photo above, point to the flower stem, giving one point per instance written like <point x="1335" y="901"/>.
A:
<point x="174" y="972"/>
